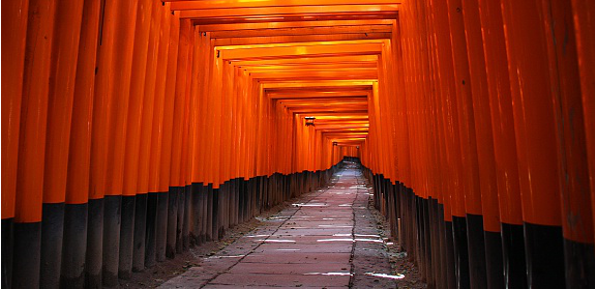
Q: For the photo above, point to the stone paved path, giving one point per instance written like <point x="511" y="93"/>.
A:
<point x="328" y="239"/>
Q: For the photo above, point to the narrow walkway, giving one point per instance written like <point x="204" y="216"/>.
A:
<point x="328" y="239"/>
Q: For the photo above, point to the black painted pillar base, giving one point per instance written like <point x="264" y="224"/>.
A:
<point x="74" y="246"/>
<point x="172" y="222"/>
<point x="127" y="216"/>
<point x="150" y="229"/>
<point x="209" y="213"/>
<point x="185" y="216"/>
<point x="545" y="256"/>
<point x="419" y="235"/>
<point x="161" y="226"/>
<point x="459" y="227"/>
<point x="254" y="198"/>
<point x="181" y="219"/>
<point x="7" y="252"/>
<point x="204" y="196"/>
<point x="580" y="264"/>
<point x="111" y="239"/>
<point x="26" y="255"/>
<point x="195" y="217"/>
<point x="451" y="278"/>
<point x="237" y="198"/>
<point x="412" y="217"/>
<point x="426" y="242"/>
<point x="241" y="196"/>
<point x="94" y="258"/>
<point x="52" y="232"/>
<point x="259" y="192"/>
<point x="139" y="249"/>
<point x="215" y="213"/>
<point x="245" y="200"/>
<point x="513" y="249"/>
<point x="269" y="195"/>
<point x="232" y="202"/>
<point x="223" y="209"/>
<point x="436" y="246"/>
<point x="442" y="251"/>
<point x="477" y="258"/>
<point x="494" y="263"/>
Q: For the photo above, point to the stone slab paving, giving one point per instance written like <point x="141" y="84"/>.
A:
<point x="326" y="240"/>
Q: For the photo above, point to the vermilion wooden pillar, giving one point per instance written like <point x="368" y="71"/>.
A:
<point x="534" y="122"/>
<point x="104" y="82"/>
<point x="454" y="209"/>
<point x="115" y="205"/>
<point x="156" y="198"/>
<point x="579" y="255"/>
<point x="198" y="81"/>
<point x="496" y="61"/>
<point x="184" y="50"/>
<point x="29" y="190"/>
<point x="133" y="142"/>
<point x="146" y="198"/>
<point x="470" y="173"/>
<point x="157" y="237"/>
<point x="76" y="215"/>
<point x="485" y="146"/>
<point x="183" y="177"/>
<point x="61" y="93"/>
<point x="14" y="34"/>
<point x="584" y="23"/>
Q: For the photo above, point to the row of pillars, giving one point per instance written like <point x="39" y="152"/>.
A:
<point x="460" y="253"/>
<point x="94" y="245"/>
<point x="483" y="148"/>
<point x="125" y="140"/>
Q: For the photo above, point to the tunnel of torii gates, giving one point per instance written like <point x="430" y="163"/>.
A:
<point x="133" y="130"/>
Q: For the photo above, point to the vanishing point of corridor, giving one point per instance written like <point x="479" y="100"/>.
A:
<point x="327" y="239"/>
